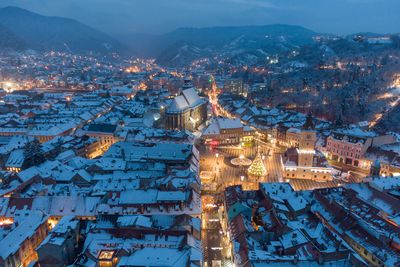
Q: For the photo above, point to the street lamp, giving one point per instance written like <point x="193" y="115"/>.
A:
<point x="216" y="155"/>
<point x="242" y="178"/>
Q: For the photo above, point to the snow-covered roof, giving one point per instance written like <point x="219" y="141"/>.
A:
<point x="16" y="158"/>
<point x="294" y="130"/>
<point x="178" y="104"/>
<point x="158" y="256"/>
<point x="188" y="99"/>
<point x="191" y="97"/>
<point x="226" y="123"/>
<point x="212" y="129"/>
<point x="137" y="152"/>
<point x="11" y="243"/>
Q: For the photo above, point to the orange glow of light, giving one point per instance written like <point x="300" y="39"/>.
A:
<point x="386" y="95"/>
<point x="106" y="254"/>
<point x="291" y="106"/>
<point x="52" y="223"/>
<point x="392" y="222"/>
<point x="132" y="69"/>
<point x="7" y="221"/>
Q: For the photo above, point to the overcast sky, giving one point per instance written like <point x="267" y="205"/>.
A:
<point x="159" y="16"/>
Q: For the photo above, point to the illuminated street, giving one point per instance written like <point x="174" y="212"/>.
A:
<point x="215" y="242"/>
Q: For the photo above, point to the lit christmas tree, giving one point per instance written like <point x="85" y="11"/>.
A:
<point x="257" y="167"/>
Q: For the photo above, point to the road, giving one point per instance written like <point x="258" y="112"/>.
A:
<point x="215" y="243"/>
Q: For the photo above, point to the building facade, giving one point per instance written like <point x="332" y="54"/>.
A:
<point x="186" y="112"/>
<point x="234" y="86"/>
<point x="349" y="149"/>
<point x="305" y="162"/>
<point x="227" y="131"/>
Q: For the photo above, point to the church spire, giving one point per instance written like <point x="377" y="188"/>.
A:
<point x="309" y="124"/>
<point x="187" y="83"/>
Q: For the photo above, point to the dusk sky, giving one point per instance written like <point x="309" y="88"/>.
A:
<point x="159" y="16"/>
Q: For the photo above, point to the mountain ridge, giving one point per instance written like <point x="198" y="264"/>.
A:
<point x="57" y="33"/>
<point x="186" y="44"/>
<point x="212" y="36"/>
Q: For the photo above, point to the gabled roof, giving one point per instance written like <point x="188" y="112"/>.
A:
<point x="188" y="99"/>
<point x="16" y="158"/>
<point x="226" y="123"/>
<point x="178" y="104"/>
<point x="191" y="97"/>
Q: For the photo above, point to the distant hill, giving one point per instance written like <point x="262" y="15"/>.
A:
<point x="54" y="33"/>
<point x="9" y="40"/>
<point x="195" y="42"/>
<point x="222" y="36"/>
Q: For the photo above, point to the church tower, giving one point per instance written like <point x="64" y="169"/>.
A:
<point x="187" y="83"/>
<point x="307" y="143"/>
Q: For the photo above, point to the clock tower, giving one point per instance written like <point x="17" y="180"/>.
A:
<point x="307" y="143"/>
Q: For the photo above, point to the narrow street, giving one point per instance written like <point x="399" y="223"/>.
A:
<point x="224" y="174"/>
<point x="214" y="241"/>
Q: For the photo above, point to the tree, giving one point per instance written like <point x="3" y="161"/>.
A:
<point x="33" y="154"/>
<point x="257" y="167"/>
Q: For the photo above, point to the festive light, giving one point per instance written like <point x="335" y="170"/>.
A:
<point x="6" y="222"/>
<point x="257" y="167"/>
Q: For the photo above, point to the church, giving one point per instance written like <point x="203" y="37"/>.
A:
<point x="187" y="111"/>
<point x="306" y="162"/>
